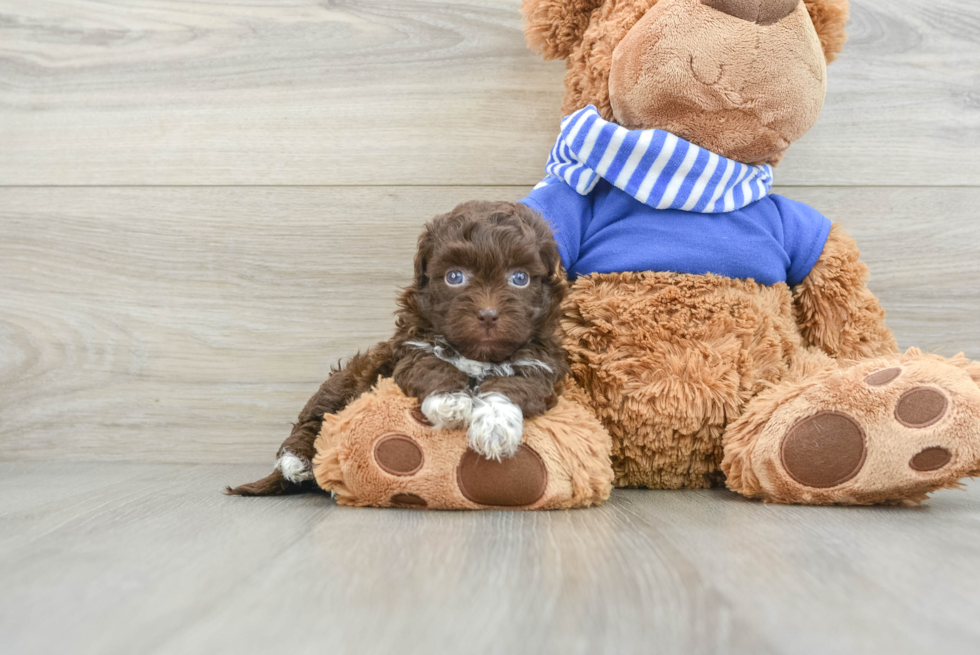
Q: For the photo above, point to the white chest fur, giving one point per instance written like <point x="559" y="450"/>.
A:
<point x="476" y="369"/>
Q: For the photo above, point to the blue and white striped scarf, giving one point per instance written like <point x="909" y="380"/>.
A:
<point x="655" y="167"/>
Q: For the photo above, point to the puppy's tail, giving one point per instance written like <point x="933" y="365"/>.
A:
<point x="275" y="484"/>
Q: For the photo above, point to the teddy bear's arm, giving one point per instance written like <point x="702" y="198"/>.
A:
<point x="835" y="310"/>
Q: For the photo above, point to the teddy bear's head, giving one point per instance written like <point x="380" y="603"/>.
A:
<point x="742" y="78"/>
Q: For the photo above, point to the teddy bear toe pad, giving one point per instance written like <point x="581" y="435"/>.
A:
<point x="824" y="450"/>
<point x="382" y="451"/>
<point x="872" y="433"/>
<point x="398" y="455"/>
<point x="883" y="377"/>
<point x="931" y="459"/>
<point x="920" y="407"/>
<point x="408" y="500"/>
<point x="513" y="482"/>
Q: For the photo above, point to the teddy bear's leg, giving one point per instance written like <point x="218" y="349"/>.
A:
<point x="382" y="451"/>
<point x="887" y="430"/>
<point x="668" y="361"/>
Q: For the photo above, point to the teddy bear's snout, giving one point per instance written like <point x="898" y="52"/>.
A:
<point x="763" y="12"/>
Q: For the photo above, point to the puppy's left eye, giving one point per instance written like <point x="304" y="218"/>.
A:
<point x="455" y="278"/>
<point x="519" y="279"/>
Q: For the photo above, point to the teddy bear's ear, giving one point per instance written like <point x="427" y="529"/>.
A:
<point x="554" y="27"/>
<point x="830" y="19"/>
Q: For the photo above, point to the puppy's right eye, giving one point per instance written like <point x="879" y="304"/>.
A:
<point x="455" y="278"/>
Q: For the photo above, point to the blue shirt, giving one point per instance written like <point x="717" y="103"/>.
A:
<point x="608" y="231"/>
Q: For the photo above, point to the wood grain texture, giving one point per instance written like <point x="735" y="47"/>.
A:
<point x="191" y="324"/>
<point x="153" y="559"/>
<point x="423" y="92"/>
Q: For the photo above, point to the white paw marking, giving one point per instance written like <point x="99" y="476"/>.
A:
<point x="497" y="426"/>
<point x="294" y="468"/>
<point x="448" y="410"/>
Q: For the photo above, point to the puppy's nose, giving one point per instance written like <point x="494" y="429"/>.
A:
<point x="763" y="12"/>
<point x="488" y="317"/>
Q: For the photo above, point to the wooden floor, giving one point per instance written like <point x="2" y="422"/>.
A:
<point x="123" y="558"/>
<point x="203" y="205"/>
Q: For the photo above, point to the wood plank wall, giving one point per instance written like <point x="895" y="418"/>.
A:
<point x="204" y="205"/>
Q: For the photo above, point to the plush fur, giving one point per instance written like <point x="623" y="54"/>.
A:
<point x="752" y="443"/>
<point x="835" y="310"/>
<point x="668" y="360"/>
<point x="555" y="28"/>
<point x="699" y="377"/>
<point x="830" y="20"/>
<point x="570" y="444"/>
<point x="718" y="80"/>
<point x="672" y="65"/>
<point x="485" y="352"/>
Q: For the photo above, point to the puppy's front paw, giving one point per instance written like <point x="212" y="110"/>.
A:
<point x="496" y="427"/>
<point x="448" y="410"/>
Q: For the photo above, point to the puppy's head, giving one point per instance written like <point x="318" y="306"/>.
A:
<point x="487" y="280"/>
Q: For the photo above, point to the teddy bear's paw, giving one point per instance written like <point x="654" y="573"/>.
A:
<point x="878" y="432"/>
<point x="416" y="466"/>
<point x="383" y="451"/>
<point x="448" y="410"/>
<point x="496" y="426"/>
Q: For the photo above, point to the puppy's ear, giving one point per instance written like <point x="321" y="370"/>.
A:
<point x="410" y="317"/>
<point x="423" y="255"/>
<point x="558" y="287"/>
<point x="547" y="246"/>
<point x="548" y="252"/>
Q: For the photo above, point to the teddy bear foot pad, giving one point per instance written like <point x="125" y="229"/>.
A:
<point x="517" y="481"/>
<point x="882" y="431"/>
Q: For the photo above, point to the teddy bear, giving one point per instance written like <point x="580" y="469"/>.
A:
<point x="724" y="334"/>
<point x="717" y="333"/>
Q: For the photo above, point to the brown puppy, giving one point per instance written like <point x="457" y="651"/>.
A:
<point x="476" y="338"/>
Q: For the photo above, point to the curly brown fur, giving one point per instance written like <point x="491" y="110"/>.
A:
<point x="835" y="310"/>
<point x="485" y="320"/>
<point x="486" y="242"/>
